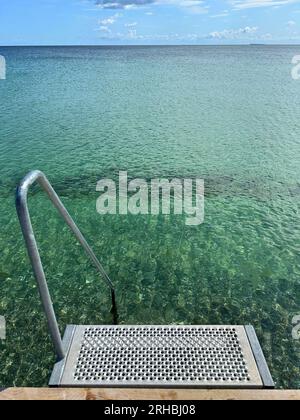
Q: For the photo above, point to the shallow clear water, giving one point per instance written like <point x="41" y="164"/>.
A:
<point x="228" y="114"/>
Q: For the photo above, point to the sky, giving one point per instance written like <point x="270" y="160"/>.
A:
<point x="132" y="22"/>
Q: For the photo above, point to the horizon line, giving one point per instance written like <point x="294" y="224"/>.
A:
<point x="150" y="45"/>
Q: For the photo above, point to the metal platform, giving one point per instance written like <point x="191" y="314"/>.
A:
<point x="139" y="356"/>
<point x="162" y="356"/>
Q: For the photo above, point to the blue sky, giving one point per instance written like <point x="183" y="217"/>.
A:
<point x="60" y="22"/>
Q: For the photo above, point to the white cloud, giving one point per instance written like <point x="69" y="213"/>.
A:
<point x="234" y="33"/>
<point x="226" y="35"/>
<point x="104" y="29"/>
<point x="225" y="13"/>
<point x="200" y="5"/>
<point x="196" y="6"/>
<point x="132" y="34"/>
<point x="130" y="25"/>
<point x="291" y="23"/>
<point x="109" y="21"/>
<point x="121" y="4"/>
<point x="250" y="4"/>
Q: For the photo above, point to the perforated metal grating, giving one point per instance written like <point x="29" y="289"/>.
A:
<point x="160" y="356"/>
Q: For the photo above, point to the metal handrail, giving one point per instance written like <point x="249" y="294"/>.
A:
<point x="33" y="252"/>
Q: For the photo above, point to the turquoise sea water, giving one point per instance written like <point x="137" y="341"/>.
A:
<point x="230" y="115"/>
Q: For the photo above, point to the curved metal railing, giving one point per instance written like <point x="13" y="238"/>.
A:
<point x="33" y="252"/>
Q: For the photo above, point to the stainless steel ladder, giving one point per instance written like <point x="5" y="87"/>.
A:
<point x="33" y="252"/>
<point x="140" y="356"/>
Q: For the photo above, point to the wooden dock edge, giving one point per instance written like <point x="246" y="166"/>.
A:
<point x="108" y="394"/>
